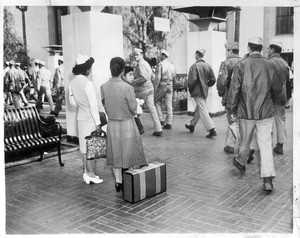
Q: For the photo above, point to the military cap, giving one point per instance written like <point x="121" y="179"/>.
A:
<point x="202" y="51"/>
<point x="256" y="40"/>
<point x="232" y="46"/>
<point x="42" y="63"/>
<point x="137" y="51"/>
<point x="60" y="58"/>
<point x="11" y="62"/>
<point x="166" y="53"/>
<point x="18" y="64"/>
<point x="37" y="61"/>
<point x="277" y="43"/>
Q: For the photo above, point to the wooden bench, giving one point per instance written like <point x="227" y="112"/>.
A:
<point x="24" y="131"/>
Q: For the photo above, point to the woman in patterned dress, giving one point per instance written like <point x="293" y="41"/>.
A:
<point x="124" y="145"/>
<point x="83" y="96"/>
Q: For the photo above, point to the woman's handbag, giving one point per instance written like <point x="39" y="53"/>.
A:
<point x="103" y="119"/>
<point x="96" y="145"/>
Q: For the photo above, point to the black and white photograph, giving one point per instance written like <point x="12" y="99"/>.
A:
<point x="166" y="118"/>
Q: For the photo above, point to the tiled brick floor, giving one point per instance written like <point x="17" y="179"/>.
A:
<point x="205" y="192"/>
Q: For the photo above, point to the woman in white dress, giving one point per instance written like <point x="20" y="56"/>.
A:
<point x="83" y="95"/>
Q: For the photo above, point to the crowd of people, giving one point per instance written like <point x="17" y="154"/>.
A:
<point x="20" y="86"/>
<point x="254" y="91"/>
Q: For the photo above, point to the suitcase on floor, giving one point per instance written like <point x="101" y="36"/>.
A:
<point x="144" y="182"/>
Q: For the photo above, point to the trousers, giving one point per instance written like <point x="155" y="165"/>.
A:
<point x="168" y="97"/>
<point x="202" y="113"/>
<point x="263" y="130"/>
<point x="44" y="90"/>
<point x="279" y="132"/>
<point x="60" y="95"/>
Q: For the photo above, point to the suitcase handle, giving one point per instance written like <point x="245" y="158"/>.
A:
<point x="143" y="165"/>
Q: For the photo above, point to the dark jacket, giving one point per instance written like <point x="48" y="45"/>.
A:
<point x="283" y="75"/>
<point x="224" y="76"/>
<point x="199" y="75"/>
<point x="249" y="95"/>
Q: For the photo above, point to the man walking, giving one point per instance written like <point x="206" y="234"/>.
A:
<point x="143" y="88"/>
<point x="163" y="88"/>
<point x="250" y="100"/>
<point x="280" y="99"/>
<point x="45" y="86"/>
<point x="199" y="79"/>
<point x="58" y="84"/>
<point x="223" y="82"/>
<point x="24" y="81"/>
<point x="13" y="83"/>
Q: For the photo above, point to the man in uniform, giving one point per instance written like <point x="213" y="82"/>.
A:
<point x="223" y="82"/>
<point x="199" y="76"/>
<point x="24" y="81"/>
<point x="58" y="84"/>
<point x="45" y="86"/>
<point x="143" y="88"/>
<point x="13" y="83"/>
<point x="250" y="100"/>
<point x="163" y="88"/>
<point x="36" y="80"/>
<point x="282" y="72"/>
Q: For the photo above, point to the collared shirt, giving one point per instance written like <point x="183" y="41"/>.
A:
<point x="45" y="76"/>
<point x="59" y="76"/>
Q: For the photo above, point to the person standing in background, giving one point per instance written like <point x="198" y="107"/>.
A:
<point x="8" y="98"/>
<point x="58" y="84"/>
<point x="24" y="81"/>
<point x="13" y="83"/>
<point x="163" y="89"/>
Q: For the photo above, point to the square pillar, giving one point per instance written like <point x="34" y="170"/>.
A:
<point x="99" y="35"/>
<point x="213" y="42"/>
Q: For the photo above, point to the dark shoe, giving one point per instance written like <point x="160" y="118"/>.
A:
<point x="190" y="127"/>
<point x="118" y="187"/>
<point x="54" y="113"/>
<point x="278" y="149"/>
<point x="167" y="126"/>
<point x="162" y="123"/>
<point x="287" y="107"/>
<point x="212" y="133"/>
<point x="250" y="156"/>
<point x="268" y="185"/>
<point x="157" y="133"/>
<point x="229" y="149"/>
<point x="237" y="164"/>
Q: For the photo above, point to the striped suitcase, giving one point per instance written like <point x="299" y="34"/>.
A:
<point x="145" y="182"/>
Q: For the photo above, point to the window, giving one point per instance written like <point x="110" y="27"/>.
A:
<point x="284" y="20"/>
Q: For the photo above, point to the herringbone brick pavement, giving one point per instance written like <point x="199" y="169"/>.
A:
<point x="205" y="192"/>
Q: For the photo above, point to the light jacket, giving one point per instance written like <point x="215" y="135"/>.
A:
<point x="199" y="75"/>
<point x="142" y="77"/>
<point x="224" y="76"/>
<point x="249" y="95"/>
<point x="282" y="73"/>
<point x="165" y="74"/>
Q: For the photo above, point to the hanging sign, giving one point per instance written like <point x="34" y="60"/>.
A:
<point x="161" y="24"/>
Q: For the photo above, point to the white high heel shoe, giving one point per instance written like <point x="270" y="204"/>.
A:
<point x="87" y="179"/>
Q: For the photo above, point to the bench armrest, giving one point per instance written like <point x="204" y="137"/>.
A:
<point x="50" y="129"/>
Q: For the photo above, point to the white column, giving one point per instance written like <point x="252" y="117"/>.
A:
<point x="95" y="34"/>
<point x="296" y="124"/>
<point x="213" y="42"/>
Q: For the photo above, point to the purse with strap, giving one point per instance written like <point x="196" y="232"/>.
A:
<point x="96" y="145"/>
